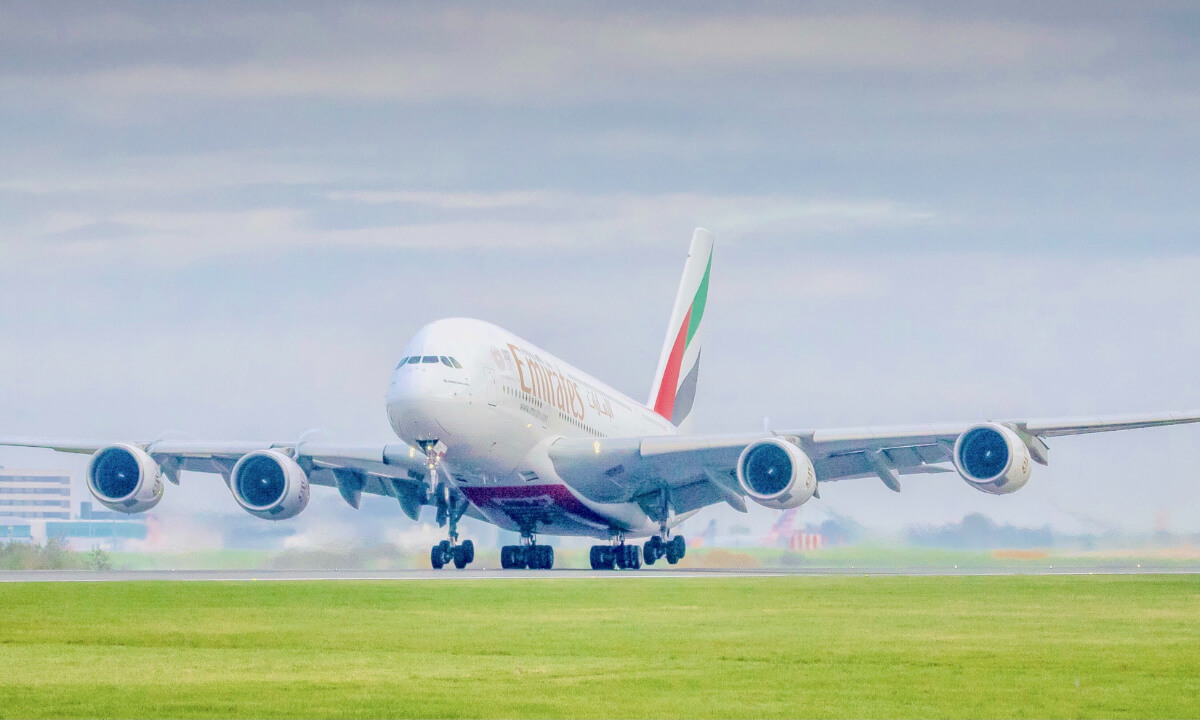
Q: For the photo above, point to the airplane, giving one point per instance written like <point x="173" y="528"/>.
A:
<point x="492" y="427"/>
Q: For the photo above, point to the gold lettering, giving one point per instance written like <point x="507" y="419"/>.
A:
<point x="520" y="368"/>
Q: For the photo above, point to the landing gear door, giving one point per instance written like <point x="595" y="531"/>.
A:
<point x="493" y="395"/>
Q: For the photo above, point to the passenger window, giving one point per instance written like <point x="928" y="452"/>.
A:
<point x="445" y="360"/>
<point x="429" y="359"/>
<point x="455" y="363"/>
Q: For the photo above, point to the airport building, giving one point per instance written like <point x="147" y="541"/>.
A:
<point x="35" y="495"/>
<point x="36" y="505"/>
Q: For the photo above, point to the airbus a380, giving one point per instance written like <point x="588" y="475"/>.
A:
<point x="493" y="427"/>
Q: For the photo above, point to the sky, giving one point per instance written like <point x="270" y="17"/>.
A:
<point x="227" y="219"/>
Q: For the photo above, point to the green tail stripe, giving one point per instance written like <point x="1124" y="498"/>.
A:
<point x="699" y="301"/>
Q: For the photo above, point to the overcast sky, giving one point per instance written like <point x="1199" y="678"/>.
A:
<point x="227" y="220"/>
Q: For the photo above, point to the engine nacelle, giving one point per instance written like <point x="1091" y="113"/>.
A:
<point x="992" y="458"/>
<point x="270" y="485"/>
<point x="777" y="474"/>
<point x="124" y="478"/>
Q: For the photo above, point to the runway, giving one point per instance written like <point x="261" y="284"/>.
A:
<point x="25" y="576"/>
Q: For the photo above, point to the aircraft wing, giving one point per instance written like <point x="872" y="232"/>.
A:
<point x="392" y="469"/>
<point x="693" y="471"/>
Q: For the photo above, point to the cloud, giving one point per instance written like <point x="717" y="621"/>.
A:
<point x="463" y="220"/>
<point x="482" y="54"/>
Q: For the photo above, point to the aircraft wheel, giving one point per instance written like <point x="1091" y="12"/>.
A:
<point x="596" y="558"/>
<point x="436" y="557"/>
<point x="545" y="556"/>
<point x="676" y="549"/>
<point x="634" y="562"/>
<point x="652" y="550"/>
<point x="468" y="551"/>
<point x="506" y="557"/>
<point x="460" y="557"/>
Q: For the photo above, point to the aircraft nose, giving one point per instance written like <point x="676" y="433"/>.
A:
<point x="421" y="403"/>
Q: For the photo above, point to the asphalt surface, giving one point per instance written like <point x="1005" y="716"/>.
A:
<point x="485" y="574"/>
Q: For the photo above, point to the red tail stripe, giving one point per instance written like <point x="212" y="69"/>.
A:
<point x="665" y="403"/>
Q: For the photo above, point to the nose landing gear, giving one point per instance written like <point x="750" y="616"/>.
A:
<point x="451" y="506"/>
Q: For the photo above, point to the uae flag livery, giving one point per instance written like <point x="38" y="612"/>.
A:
<point x="674" y="388"/>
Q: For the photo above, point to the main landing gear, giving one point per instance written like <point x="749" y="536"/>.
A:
<point x="673" y="550"/>
<point x="527" y="555"/>
<point x="630" y="557"/>
<point x="462" y="554"/>
<point x="608" y="557"/>
<point x="534" y="557"/>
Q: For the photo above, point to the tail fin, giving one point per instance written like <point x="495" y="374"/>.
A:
<point x="674" y="388"/>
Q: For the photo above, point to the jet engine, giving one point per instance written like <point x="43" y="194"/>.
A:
<point x="993" y="459"/>
<point x="124" y="478"/>
<point x="270" y="485"/>
<point x="777" y="474"/>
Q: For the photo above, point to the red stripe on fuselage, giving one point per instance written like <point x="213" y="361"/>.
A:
<point x="665" y="403"/>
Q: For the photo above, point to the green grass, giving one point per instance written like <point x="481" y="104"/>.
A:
<point x="625" y="647"/>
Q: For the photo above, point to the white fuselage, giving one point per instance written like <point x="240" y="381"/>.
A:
<point x="497" y="403"/>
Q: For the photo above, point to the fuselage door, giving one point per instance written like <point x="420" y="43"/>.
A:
<point x="493" y="394"/>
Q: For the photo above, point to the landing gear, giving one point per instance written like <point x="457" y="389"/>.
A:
<point x="602" y="557"/>
<point x="623" y="556"/>
<point x="529" y="555"/>
<point x="653" y="550"/>
<point x="451" y="506"/>
<point x="673" y="550"/>
<point x="462" y="554"/>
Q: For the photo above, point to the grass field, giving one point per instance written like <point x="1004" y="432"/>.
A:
<point x="624" y="647"/>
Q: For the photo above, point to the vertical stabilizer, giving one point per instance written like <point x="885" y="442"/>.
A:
<point x="674" y="388"/>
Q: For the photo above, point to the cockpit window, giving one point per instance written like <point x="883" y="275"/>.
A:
<point x="429" y="360"/>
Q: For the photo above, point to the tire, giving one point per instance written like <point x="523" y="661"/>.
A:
<point x="436" y="557"/>
<point x="652" y="551"/>
<point x="601" y="557"/>
<point x="680" y="546"/>
<point x="459" y="555"/>
<point x="506" y="557"/>
<point x="468" y="549"/>
<point x="634" y="561"/>
<point x="545" y="557"/>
